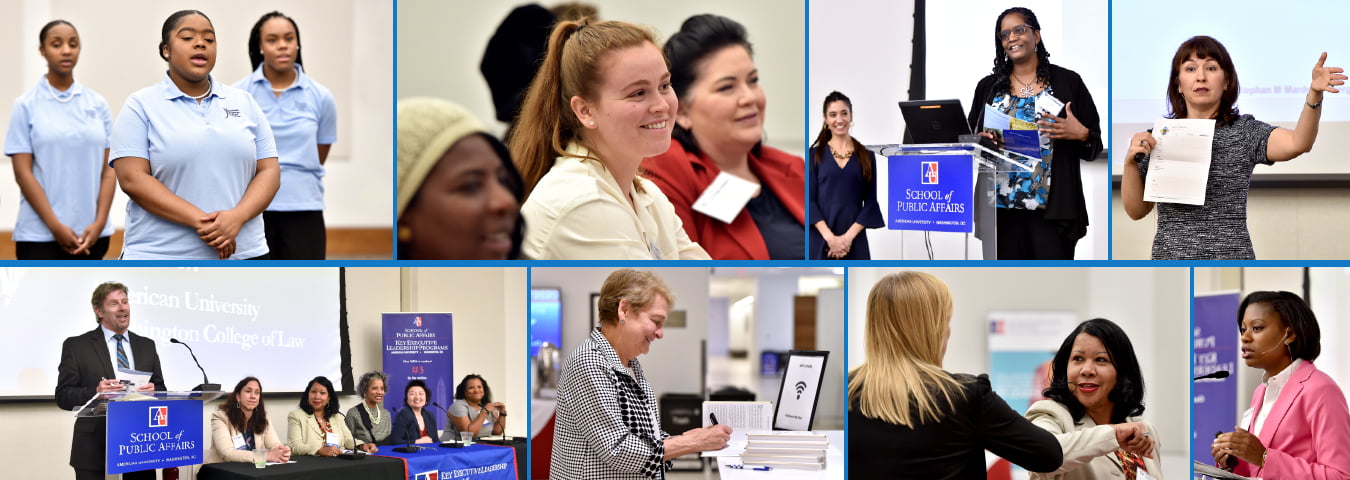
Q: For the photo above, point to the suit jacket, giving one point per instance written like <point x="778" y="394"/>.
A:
<point x="305" y="438"/>
<point x="683" y="176"/>
<point x="953" y="447"/>
<point x="1066" y="205"/>
<point x="222" y="441"/>
<point x="85" y="361"/>
<point x="405" y="427"/>
<point x="1088" y="448"/>
<point x="1307" y="432"/>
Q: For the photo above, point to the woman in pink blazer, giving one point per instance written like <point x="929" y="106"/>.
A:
<point x="1298" y="426"/>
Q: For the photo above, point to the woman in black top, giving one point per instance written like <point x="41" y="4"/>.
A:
<point x="1038" y="220"/>
<point x="907" y="417"/>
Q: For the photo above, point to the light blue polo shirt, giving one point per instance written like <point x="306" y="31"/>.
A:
<point x="66" y="132"/>
<point x="204" y="153"/>
<point x="303" y="117"/>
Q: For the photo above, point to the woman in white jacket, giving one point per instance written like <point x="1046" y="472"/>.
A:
<point x="1096" y="397"/>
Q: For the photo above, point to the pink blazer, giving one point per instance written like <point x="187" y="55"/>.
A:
<point x="1307" y="434"/>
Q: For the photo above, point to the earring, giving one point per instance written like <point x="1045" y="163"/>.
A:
<point x="404" y="233"/>
<point x="591" y="123"/>
<point x="621" y="319"/>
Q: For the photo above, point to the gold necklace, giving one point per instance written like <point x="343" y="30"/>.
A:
<point x="840" y="156"/>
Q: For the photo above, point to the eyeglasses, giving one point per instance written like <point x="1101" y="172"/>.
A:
<point x="1020" y="30"/>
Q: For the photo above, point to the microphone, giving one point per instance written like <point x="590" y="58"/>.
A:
<point x="448" y="443"/>
<point x="1139" y="157"/>
<point x="1215" y="375"/>
<point x="412" y="436"/>
<point x="206" y="385"/>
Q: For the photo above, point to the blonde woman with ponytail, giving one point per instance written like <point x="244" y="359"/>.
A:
<point x="909" y="418"/>
<point x="600" y="103"/>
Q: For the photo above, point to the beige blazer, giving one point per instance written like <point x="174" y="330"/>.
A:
<point x="1087" y="446"/>
<point x="305" y="438"/>
<point x="222" y="441"/>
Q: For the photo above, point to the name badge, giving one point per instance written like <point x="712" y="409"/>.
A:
<point x="1049" y="104"/>
<point x="331" y="439"/>
<point x="239" y="443"/>
<point x="1142" y="475"/>
<point x="725" y="197"/>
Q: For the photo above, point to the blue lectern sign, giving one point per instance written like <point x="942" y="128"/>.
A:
<point x="150" y="434"/>
<point x="931" y="193"/>
<point x="1214" y="401"/>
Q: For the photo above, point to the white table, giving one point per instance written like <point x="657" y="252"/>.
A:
<point x="834" y="465"/>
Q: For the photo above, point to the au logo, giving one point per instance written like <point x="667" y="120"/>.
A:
<point x="930" y="173"/>
<point x="159" y="416"/>
<point x="417" y="321"/>
<point x="231" y="112"/>
<point x="432" y="475"/>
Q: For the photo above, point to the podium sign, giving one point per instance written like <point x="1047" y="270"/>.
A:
<point x="154" y="433"/>
<point x="931" y="193"/>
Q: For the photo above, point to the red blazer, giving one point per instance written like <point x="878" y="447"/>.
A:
<point x="682" y="176"/>
<point x="1307" y="434"/>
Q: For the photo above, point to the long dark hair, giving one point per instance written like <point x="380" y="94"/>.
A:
<point x="699" y="37"/>
<point x="464" y="385"/>
<point x="171" y="23"/>
<point x="257" y="423"/>
<point x="818" y="154"/>
<point x="255" y="55"/>
<point x="332" y="407"/>
<point x="1296" y="315"/>
<point x="1204" y="47"/>
<point x="1127" y="397"/>
<point x="1003" y="66"/>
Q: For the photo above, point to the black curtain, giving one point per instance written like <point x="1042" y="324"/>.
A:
<point x="918" y="67"/>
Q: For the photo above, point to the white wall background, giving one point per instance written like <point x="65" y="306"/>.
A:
<point x="346" y="47"/>
<point x="489" y="338"/>
<point x="958" y="56"/>
<point x="427" y="68"/>
<point x="1151" y="305"/>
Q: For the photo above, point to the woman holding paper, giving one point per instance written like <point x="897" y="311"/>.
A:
<point x="601" y="102"/>
<point x="843" y="190"/>
<point x="1095" y="397"/>
<point x="607" y="423"/>
<point x="1298" y="426"/>
<point x="1204" y="85"/>
<point x="1035" y="220"/>
<point x="910" y="418"/>
<point x="719" y="131"/>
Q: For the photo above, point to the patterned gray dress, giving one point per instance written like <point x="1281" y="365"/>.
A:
<point x="1216" y="230"/>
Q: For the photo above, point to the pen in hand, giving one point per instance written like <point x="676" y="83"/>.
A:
<point x="713" y="416"/>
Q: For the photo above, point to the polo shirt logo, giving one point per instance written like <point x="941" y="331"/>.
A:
<point x="231" y="112"/>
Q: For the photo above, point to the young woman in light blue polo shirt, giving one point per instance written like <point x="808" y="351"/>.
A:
<point x="195" y="156"/>
<point x="58" y="140"/>
<point x="303" y="117"/>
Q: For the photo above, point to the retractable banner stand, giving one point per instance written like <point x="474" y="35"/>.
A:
<point x="1214" y="401"/>
<point x="418" y="346"/>
<point x="931" y="193"/>
<point x="153" y="433"/>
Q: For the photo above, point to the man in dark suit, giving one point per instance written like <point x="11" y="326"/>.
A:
<point x="89" y="365"/>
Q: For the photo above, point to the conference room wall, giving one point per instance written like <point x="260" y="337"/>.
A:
<point x="1328" y="289"/>
<point x="489" y="338"/>
<point x="1152" y="305"/>
<point x="437" y="61"/>
<point x="347" y="47"/>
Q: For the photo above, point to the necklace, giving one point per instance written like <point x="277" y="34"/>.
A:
<point x="375" y="415"/>
<point x="209" y="87"/>
<point x="55" y="96"/>
<point x="1026" y="90"/>
<point x="841" y="154"/>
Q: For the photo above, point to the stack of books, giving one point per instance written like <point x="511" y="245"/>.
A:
<point x="786" y="450"/>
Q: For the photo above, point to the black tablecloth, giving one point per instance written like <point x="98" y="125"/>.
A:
<point x="310" y="468"/>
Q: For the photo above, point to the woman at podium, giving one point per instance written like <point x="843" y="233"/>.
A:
<point x="844" y="189"/>
<point x="1041" y="214"/>
<point x="909" y="418"/>
<point x="1204" y="85"/>
<point x="240" y="426"/>
<point x="1298" y="426"/>
<point x="719" y="130"/>
<point x="1095" y="398"/>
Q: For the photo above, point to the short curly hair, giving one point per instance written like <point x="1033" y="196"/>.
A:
<point x="364" y="382"/>
<point x="637" y="287"/>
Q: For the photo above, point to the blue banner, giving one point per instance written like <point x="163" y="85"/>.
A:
<point x="474" y="462"/>
<point x="418" y="346"/>
<point x="931" y="193"/>
<point x="144" y="435"/>
<point x="1214" y="402"/>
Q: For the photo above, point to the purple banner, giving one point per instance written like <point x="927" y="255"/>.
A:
<point x="418" y="346"/>
<point x="1214" y="401"/>
<point x="931" y="193"/>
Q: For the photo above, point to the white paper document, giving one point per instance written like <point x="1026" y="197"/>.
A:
<point x="1212" y="472"/>
<point x="1178" y="167"/>
<point x="133" y="379"/>
<point x="725" y="197"/>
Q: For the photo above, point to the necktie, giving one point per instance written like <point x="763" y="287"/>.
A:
<point x="121" y="354"/>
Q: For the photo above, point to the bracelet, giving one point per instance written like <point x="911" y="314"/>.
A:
<point x="1313" y="105"/>
<point x="501" y="414"/>
<point x="1263" y="454"/>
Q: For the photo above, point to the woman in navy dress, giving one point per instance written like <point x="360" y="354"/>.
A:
<point x="843" y="189"/>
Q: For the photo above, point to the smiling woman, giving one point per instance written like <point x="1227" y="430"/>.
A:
<point x="196" y="157"/>
<point x="601" y="102"/>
